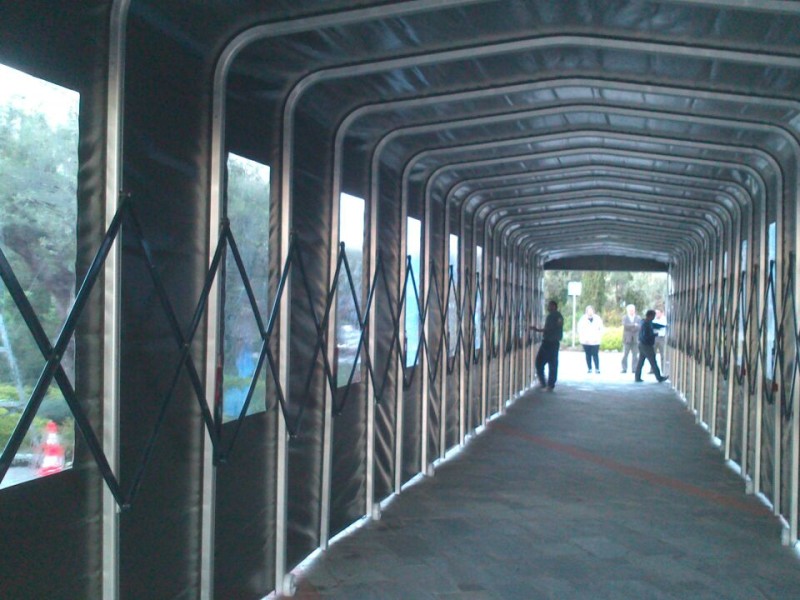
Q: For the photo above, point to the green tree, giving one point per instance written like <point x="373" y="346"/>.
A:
<point x="38" y="220"/>
<point x="555" y="286"/>
<point x="607" y="292"/>
<point x="247" y="206"/>
<point x="38" y="217"/>
<point x="594" y="290"/>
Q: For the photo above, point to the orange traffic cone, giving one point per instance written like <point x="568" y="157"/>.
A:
<point x="53" y="454"/>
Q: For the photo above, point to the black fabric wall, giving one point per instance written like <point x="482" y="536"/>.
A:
<point x="385" y="355"/>
<point x="50" y="527"/>
<point x="164" y="170"/>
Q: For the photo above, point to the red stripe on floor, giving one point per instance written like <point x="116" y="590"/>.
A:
<point x="635" y="472"/>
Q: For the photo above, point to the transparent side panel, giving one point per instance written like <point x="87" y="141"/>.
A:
<point x="478" y="316"/>
<point x="348" y="328"/>
<point x="248" y="198"/>
<point x="413" y="248"/>
<point x="770" y="326"/>
<point x="742" y="306"/>
<point x="38" y="216"/>
<point x="452" y="303"/>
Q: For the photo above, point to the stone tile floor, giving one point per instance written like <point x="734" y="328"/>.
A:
<point x="604" y="489"/>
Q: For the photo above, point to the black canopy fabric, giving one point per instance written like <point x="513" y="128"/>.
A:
<point x="570" y="135"/>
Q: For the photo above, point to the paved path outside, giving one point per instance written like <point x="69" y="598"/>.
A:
<point x="601" y="489"/>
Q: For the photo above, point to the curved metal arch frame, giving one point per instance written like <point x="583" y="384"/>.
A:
<point x="719" y="252"/>
<point x="468" y="207"/>
<point x="462" y="229"/>
<point x="762" y="188"/>
<point x="364" y="68"/>
<point x="586" y="215"/>
<point x="491" y="185"/>
<point x="745" y="204"/>
<point x="115" y="95"/>
<point x="553" y="84"/>
<point x="383" y="106"/>
<point x="490" y="206"/>
<point x="599" y="156"/>
<point x="531" y="182"/>
<point x="728" y="55"/>
<point x="753" y="172"/>
<point x="113" y="145"/>
<point x="575" y="134"/>
<point x="732" y="233"/>
<point x="489" y="201"/>
<point x="597" y="200"/>
<point x="605" y="109"/>
<point x="221" y="70"/>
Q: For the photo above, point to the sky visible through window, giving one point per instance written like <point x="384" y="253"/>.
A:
<point x="57" y="104"/>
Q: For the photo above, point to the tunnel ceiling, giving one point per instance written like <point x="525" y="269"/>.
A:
<point x="574" y="128"/>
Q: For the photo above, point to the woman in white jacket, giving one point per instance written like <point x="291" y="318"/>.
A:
<point x="590" y="332"/>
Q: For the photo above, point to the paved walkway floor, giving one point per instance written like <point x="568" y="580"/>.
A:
<point x="601" y="489"/>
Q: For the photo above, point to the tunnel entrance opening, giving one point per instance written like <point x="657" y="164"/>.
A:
<point x="602" y="313"/>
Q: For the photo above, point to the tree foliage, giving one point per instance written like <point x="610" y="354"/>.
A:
<point x="38" y="216"/>
<point x="607" y="292"/>
<point x="38" y="220"/>
<point x="247" y="205"/>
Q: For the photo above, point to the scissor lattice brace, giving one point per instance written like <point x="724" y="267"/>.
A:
<point x="502" y="306"/>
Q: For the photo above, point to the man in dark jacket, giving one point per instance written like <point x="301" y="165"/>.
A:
<point x="647" y="340"/>
<point x="553" y="331"/>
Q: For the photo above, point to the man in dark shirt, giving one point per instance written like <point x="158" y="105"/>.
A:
<point x="553" y="331"/>
<point x="647" y="340"/>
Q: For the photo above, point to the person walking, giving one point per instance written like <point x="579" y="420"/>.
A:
<point x="647" y="339"/>
<point x="631" y="322"/>
<point x="590" y="333"/>
<point x="552" y="331"/>
<point x="661" y="337"/>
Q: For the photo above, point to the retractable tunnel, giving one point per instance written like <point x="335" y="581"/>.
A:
<point x="309" y="242"/>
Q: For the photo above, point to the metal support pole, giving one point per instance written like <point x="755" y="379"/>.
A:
<point x="445" y="351"/>
<point x="794" y="487"/>
<point x="327" y="396"/>
<point x="111" y="292"/>
<point x="486" y="347"/>
<point x="424" y="356"/>
<point x="500" y="278"/>
<point x="462" y="375"/>
<point x="722" y="267"/>
<point x="373" y="506"/>
<point x="401" y="333"/>
<point x="704" y="340"/>
<point x="729" y="400"/>
<point x="794" y="459"/>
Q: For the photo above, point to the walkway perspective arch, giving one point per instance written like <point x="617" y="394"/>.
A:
<point x="265" y="263"/>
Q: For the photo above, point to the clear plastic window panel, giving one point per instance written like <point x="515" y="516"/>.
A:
<point x="769" y="351"/>
<point x="348" y="328"/>
<point x="452" y="303"/>
<point x="478" y="295"/>
<point x="742" y="305"/>
<point x="38" y="217"/>
<point x="412" y="322"/>
<point x="248" y="199"/>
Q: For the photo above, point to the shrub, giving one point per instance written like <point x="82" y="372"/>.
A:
<point x="8" y="392"/>
<point x="612" y="339"/>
